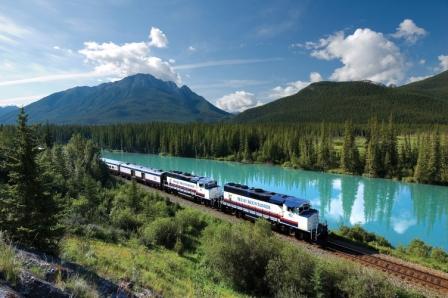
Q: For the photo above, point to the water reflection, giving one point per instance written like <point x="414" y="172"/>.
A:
<point x="398" y="211"/>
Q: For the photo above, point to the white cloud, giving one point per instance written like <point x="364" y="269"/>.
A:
<point x="237" y="101"/>
<point x="10" y="32"/>
<point x="409" y="31"/>
<point x="224" y="62"/>
<point x="120" y="61"/>
<point x="192" y="49"/>
<point x="417" y="78"/>
<point x="443" y="62"/>
<point x="157" y="38"/>
<point x="365" y="55"/>
<point x="50" y="78"/>
<point x="293" y="87"/>
<point x="422" y="61"/>
<point x="20" y="101"/>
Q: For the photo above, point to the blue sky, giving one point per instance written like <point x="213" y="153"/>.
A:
<point x="237" y="54"/>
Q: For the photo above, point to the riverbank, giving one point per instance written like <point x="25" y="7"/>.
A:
<point x="416" y="251"/>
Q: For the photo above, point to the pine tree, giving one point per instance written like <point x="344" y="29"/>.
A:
<point x="324" y="149"/>
<point x="421" y="173"/>
<point x="435" y="159"/>
<point x="29" y="212"/>
<point x="390" y="149"/>
<point x="48" y="138"/>
<point x="350" y="155"/>
<point x="373" y="158"/>
<point x="444" y="162"/>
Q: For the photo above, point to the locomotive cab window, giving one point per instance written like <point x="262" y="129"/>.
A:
<point x="211" y="184"/>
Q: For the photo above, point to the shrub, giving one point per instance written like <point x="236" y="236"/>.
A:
<point x="10" y="264"/>
<point x="162" y="231"/>
<point x="125" y="219"/>
<point x="439" y="255"/>
<point x="418" y="248"/>
<point x="359" y="234"/>
<point x="105" y="233"/>
<point x="290" y="271"/>
<point x="240" y="254"/>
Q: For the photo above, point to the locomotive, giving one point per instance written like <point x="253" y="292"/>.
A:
<point x="287" y="213"/>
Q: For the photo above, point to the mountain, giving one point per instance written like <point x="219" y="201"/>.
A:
<point x="7" y="110"/>
<point x="137" y="98"/>
<point x="436" y="86"/>
<point x="425" y="101"/>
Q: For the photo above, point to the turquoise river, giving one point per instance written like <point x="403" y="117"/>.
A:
<point x="398" y="211"/>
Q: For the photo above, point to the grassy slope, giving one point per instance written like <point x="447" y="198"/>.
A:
<point x="159" y="269"/>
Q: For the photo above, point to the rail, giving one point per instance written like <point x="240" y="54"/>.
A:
<point x="417" y="276"/>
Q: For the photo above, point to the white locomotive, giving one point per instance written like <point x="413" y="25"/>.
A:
<point x="287" y="212"/>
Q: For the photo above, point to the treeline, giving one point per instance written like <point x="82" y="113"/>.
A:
<point x="379" y="149"/>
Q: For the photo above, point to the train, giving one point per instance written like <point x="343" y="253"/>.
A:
<point x="287" y="213"/>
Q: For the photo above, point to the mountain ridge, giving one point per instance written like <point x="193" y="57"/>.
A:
<point x="137" y="98"/>
<point x="425" y="101"/>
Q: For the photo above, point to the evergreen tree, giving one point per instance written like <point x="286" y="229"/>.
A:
<point x="390" y="150"/>
<point x="435" y="159"/>
<point x="29" y="213"/>
<point x="373" y="156"/>
<point x="421" y="173"/>
<point x="324" y="149"/>
<point x="350" y="155"/>
<point x="444" y="162"/>
<point x="48" y="138"/>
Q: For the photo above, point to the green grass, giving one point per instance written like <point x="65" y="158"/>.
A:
<point x="78" y="287"/>
<point x="161" y="270"/>
<point x="10" y="264"/>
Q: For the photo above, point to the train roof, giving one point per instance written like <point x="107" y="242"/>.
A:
<point x="133" y="166"/>
<point x="189" y="177"/>
<point x="111" y="161"/>
<point x="271" y="197"/>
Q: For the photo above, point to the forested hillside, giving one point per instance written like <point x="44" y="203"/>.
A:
<point x="420" y="102"/>
<point x="378" y="149"/>
<point x="8" y="109"/>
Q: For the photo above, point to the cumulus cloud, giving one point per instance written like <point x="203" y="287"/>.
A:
<point x="237" y="102"/>
<point x="110" y="59"/>
<point x="365" y="55"/>
<point x="192" y="49"/>
<point x="417" y="78"/>
<point x="409" y="31"/>
<point x="293" y="87"/>
<point x="11" y="32"/>
<point x="443" y="59"/>
<point x="157" y="38"/>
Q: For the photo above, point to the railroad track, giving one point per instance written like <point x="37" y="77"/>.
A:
<point x="407" y="273"/>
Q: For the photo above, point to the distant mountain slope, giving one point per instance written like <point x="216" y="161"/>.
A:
<point x="137" y="98"/>
<point x="420" y="102"/>
<point x="7" y="110"/>
<point x="436" y="85"/>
